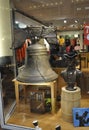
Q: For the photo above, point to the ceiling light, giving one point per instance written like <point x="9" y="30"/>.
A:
<point x="16" y="22"/>
<point x="56" y="3"/>
<point x="65" y="21"/>
<point x="78" y="9"/>
<point x="43" y="5"/>
<point x="22" y="25"/>
<point x="75" y="35"/>
<point x="86" y="8"/>
<point x="61" y="2"/>
<point x="76" y="21"/>
<point x="51" y="4"/>
<point x="47" y="4"/>
<point x="34" y="6"/>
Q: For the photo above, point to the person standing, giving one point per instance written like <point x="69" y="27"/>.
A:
<point x="61" y="41"/>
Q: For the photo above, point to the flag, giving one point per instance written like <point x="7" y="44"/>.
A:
<point x="86" y="34"/>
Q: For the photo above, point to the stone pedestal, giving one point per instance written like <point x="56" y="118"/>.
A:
<point x="69" y="100"/>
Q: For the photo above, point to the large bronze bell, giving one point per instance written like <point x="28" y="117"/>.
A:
<point x="37" y="67"/>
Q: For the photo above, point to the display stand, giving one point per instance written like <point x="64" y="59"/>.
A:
<point x="51" y="84"/>
<point x="69" y="100"/>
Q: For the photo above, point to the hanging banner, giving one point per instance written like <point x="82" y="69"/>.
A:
<point x="86" y="34"/>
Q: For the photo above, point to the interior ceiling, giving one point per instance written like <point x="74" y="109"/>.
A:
<point x="54" y="12"/>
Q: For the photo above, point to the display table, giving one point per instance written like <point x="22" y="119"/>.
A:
<point x="51" y="84"/>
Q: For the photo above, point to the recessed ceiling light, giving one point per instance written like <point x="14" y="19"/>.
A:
<point x="47" y="4"/>
<point x="43" y="5"/>
<point x="22" y="25"/>
<point x="56" y="3"/>
<point x="78" y="9"/>
<point x="65" y="21"/>
<point x="61" y="2"/>
<point x="76" y="21"/>
<point x="16" y="22"/>
<point x="34" y="6"/>
<point x="86" y="8"/>
<point x="51" y="4"/>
